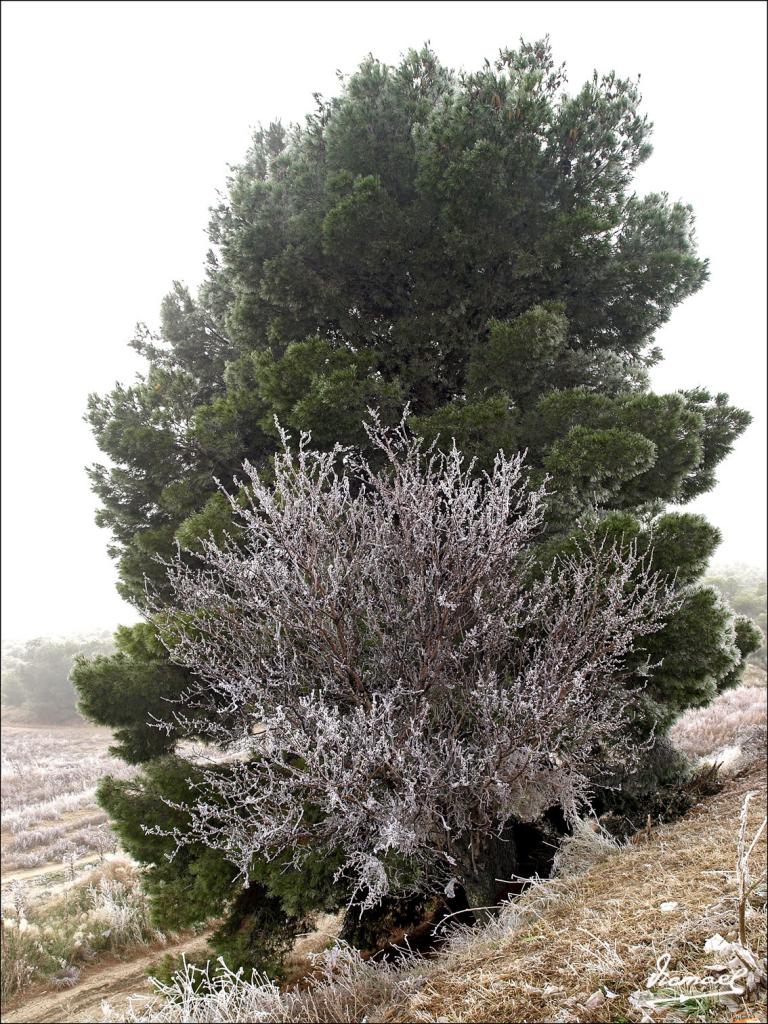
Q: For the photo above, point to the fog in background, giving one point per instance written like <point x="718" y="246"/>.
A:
<point x="119" y="120"/>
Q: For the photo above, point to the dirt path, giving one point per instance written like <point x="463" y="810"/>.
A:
<point x="115" y="981"/>
<point x="56" y="871"/>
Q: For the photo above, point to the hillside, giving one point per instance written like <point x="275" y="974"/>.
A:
<point x="607" y="929"/>
<point x="578" y="948"/>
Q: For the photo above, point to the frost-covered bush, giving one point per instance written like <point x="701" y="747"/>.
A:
<point x="118" y="913"/>
<point x="395" y="677"/>
<point x="104" y="911"/>
<point x="344" y="988"/>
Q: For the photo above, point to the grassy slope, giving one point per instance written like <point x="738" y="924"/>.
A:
<point x="568" y="938"/>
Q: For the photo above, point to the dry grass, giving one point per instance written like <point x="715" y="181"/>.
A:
<point x="734" y="718"/>
<point x="325" y="934"/>
<point x="49" y="810"/>
<point x="105" y="911"/>
<point x="347" y="990"/>
<point x="569" y="937"/>
<point x="54" y="918"/>
<point x="755" y="675"/>
<point x="55" y="844"/>
<point x="551" y="953"/>
<point x="47" y="774"/>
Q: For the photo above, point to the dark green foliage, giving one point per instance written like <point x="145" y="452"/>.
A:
<point x="37" y="676"/>
<point x="682" y="545"/>
<point x="480" y="428"/>
<point x="197" y="883"/>
<point x="691" y="675"/>
<point x="722" y="424"/>
<point x="328" y="390"/>
<point x="166" y="970"/>
<point x="129" y="689"/>
<point x="469" y="244"/>
<point x="520" y="356"/>
<point x="750" y="640"/>
<point x="662" y="787"/>
<point x="655" y="452"/>
<point x="387" y="925"/>
<point x="258" y="930"/>
<point x="424" y="237"/>
<point x="215" y="520"/>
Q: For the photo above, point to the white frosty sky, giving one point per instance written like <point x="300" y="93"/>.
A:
<point x="119" y="120"/>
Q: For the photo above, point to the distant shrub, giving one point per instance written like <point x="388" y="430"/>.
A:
<point x="744" y="587"/>
<point x="35" y="675"/>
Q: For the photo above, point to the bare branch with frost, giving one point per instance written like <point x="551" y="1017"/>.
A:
<point x="397" y="678"/>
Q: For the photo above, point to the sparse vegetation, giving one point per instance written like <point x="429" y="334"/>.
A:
<point x="105" y="911"/>
<point x="734" y="719"/>
<point x="54" y="919"/>
<point x="35" y="847"/>
<point x="45" y="776"/>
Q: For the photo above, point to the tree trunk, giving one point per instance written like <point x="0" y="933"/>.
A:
<point x="499" y="867"/>
<point x="489" y="864"/>
<point x="495" y="870"/>
<point x="396" y="921"/>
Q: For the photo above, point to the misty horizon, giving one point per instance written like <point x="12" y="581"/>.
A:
<point x="162" y="142"/>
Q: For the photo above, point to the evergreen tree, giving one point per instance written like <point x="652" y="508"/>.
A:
<point x="469" y="244"/>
